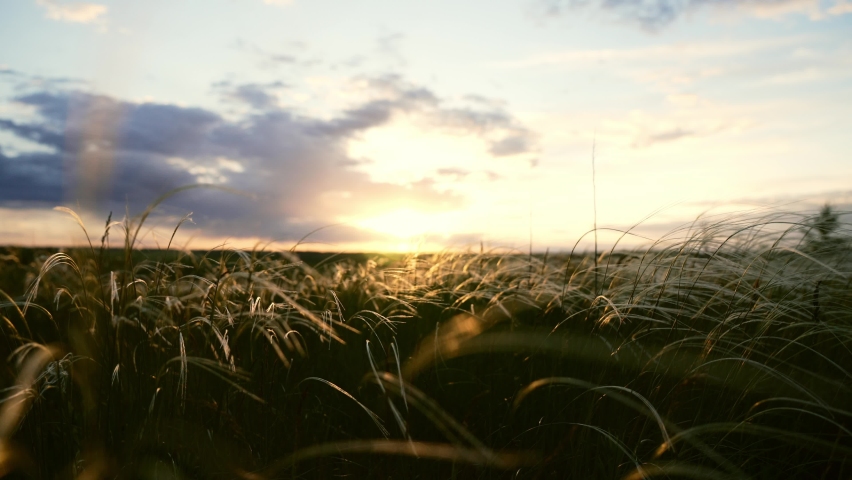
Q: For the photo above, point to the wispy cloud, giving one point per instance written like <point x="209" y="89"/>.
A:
<point x="663" y="136"/>
<point x="259" y="96"/>
<point x="841" y="7"/>
<point x="723" y="49"/>
<point x="73" y="12"/>
<point x="639" y="130"/>
<point x="653" y="15"/>
<point x="290" y="54"/>
<point x="389" y="46"/>
<point x="779" y="8"/>
<point x="714" y="69"/>
<point x="487" y="119"/>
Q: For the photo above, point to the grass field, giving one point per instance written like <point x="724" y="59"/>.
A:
<point x="723" y="350"/>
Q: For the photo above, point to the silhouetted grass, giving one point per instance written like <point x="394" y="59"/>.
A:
<point x="721" y="350"/>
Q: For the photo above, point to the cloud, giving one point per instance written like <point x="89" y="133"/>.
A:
<point x="511" y="145"/>
<point x="260" y="96"/>
<point x="664" y="136"/>
<point x="74" y="12"/>
<point x="653" y="15"/>
<point x="642" y="130"/>
<point x="290" y="54"/>
<point x="137" y="151"/>
<point x="105" y="153"/>
<point x="842" y="7"/>
<point x="486" y="118"/>
<point x="504" y="134"/>
<point x="676" y="70"/>
<point x="34" y="177"/>
<point x="388" y="45"/>
<point x="780" y="8"/>
<point x="477" y="116"/>
<point x="718" y="49"/>
<point x="453" y="172"/>
<point x="34" y="133"/>
<point x="282" y="58"/>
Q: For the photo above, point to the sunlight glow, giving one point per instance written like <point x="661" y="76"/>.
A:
<point x="405" y="223"/>
<point x="404" y="152"/>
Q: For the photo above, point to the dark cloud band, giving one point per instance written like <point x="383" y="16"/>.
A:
<point x="110" y="154"/>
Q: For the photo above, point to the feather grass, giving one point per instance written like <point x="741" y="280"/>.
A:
<point x="720" y="350"/>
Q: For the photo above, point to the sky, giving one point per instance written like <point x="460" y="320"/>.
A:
<point x="399" y="125"/>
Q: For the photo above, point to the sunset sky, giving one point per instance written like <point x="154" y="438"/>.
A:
<point x="399" y="124"/>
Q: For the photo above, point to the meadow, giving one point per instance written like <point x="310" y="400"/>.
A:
<point x="721" y="350"/>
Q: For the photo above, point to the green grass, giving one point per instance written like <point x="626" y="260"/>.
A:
<point x="723" y="350"/>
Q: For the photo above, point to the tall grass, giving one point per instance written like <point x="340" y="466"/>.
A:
<point x="722" y="350"/>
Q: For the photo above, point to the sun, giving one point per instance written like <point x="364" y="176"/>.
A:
<point x="406" y="223"/>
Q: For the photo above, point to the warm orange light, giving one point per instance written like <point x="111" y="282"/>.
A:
<point x="405" y="224"/>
